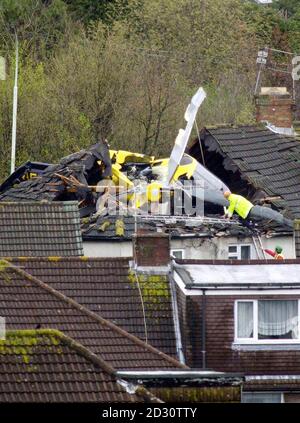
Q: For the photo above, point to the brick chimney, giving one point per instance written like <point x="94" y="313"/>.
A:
<point x="275" y="106"/>
<point x="297" y="237"/>
<point x="151" y="248"/>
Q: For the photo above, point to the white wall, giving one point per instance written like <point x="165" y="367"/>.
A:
<point x="107" y="249"/>
<point x="194" y="248"/>
<point x="217" y="248"/>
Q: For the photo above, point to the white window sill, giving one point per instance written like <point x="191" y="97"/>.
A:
<point x="266" y="346"/>
<point x="266" y="341"/>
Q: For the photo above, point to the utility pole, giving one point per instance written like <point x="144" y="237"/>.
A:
<point x="15" y="109"/>
<point x="2" y="69"/>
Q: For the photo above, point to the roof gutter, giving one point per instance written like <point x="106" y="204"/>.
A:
<point x="203" y="330"/>
<point x="238" y="286"/>
<point x="179" y="348"/>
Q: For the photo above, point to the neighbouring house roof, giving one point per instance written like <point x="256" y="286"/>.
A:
<point x="28" y="303"/>
<point x="45" y="365"/>
<point x="40" y="229"/>
<point x="238" y="274"/>
<point x="255" y="162"/>
<point x="272" y="383"/>
<point x="110" y="288"/>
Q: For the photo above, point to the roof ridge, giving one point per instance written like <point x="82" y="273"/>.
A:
<point x="39" y="203"/>
<point x="93" y="315"/>
<point x="235" y="126"/>
<point x="66" y="258"/>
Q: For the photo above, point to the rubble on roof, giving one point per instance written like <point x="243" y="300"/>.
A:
<point x="104" y="228"/>
<point x="65" y="181"/>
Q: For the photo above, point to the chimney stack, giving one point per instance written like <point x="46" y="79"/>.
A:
<point x="275" y="106"/>
<point x="151" y="248"/>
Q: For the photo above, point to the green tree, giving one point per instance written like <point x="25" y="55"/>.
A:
<point x="106" y="11"/>
<point x="40" y="25"/>
<point x="288" y="7"/>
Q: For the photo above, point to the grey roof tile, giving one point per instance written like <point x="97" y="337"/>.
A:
<point x="270" y="162"/>
<point x="40" y="229"/>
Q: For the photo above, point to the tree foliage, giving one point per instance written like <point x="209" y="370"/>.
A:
<point x="127" y="69"/>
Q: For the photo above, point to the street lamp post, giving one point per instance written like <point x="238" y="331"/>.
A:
<point x="15" y="109"/>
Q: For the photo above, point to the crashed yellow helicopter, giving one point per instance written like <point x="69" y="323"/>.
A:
<point x="131" y="171"/>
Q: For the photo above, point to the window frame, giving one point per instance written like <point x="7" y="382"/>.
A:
<point x="181" y="250"/>
<point x="282" y="401"/>
<point x="238" y="251"/>
<point x="255" y="339"/>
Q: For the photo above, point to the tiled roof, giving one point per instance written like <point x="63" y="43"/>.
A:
<point x="109" y="288"/>
<point x="269" y="162"/>
<point x="40" y="229"/>
<point x="112" y="227"/>
<point x="82" y="165"/>
<point x="269" y="383"/>
<point x="28" y="303"/>
<point x="46" y="366"/>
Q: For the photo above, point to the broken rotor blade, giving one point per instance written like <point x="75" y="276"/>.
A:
<point x="184" y="134"/>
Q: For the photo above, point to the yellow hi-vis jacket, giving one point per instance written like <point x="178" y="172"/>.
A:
<point x="240" y="205"/>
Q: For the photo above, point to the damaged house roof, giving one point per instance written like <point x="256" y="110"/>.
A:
<point x="26" y="302"/>
<point x="255" y="162"/>
<point x="122" y="228"/>
<point x="80" y="168"/>
<point x="110" y="289"/>
<point x="40" y="229"/>
<point x="44" y="365"/>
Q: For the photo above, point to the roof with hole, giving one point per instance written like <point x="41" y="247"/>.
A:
<point x="265" y="160"/>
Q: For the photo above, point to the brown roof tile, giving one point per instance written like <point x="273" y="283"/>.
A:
<point x="28" y="303"/>
<point x="47" y="366"/>
<point x="109" y="288"/>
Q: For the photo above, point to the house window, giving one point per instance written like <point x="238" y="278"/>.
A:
<point x="239" y="252"/>
<point x="267" y="321"/>
<point x="262" y="397"/>
<point x="179" y="254"/>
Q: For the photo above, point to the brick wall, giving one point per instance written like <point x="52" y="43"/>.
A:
<point x="151" y="249"/>
<point x="277" y="110"/>
<point x="219" y="338"/>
